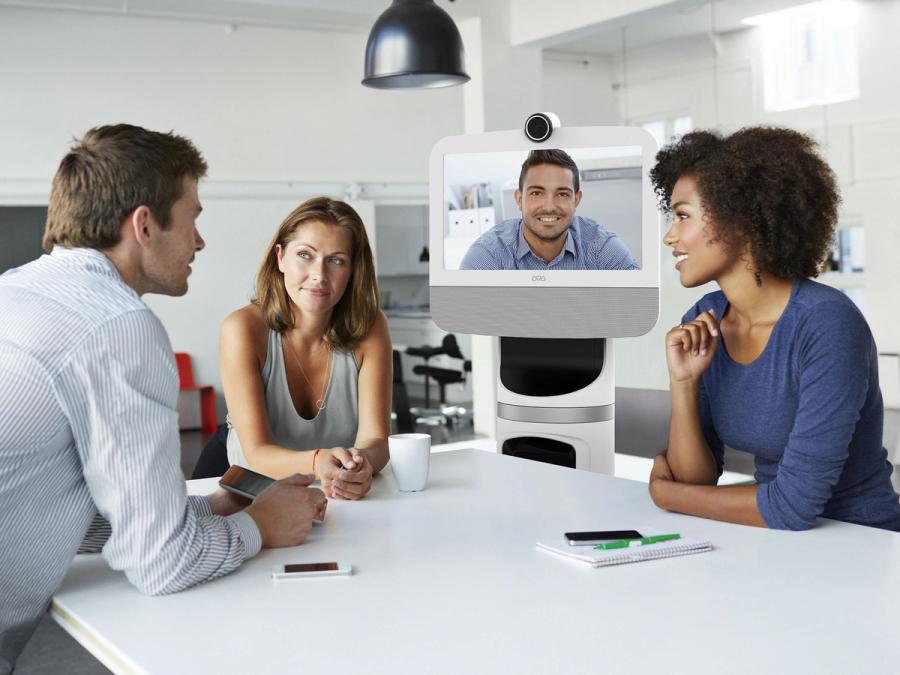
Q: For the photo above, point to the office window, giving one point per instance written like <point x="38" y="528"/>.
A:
<point x="849" y="253"/>
<point x="666" y="130"/>
<point x="810" y="55"/>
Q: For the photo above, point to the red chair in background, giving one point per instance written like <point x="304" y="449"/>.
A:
<point x="196" y="404"/>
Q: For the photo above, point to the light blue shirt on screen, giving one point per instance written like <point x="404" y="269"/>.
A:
<point x="588" y="247"/>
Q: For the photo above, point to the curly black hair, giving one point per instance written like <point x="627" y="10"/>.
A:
<point x="762" y="186"/>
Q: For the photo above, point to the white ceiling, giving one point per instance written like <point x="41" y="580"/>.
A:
<point x="310" y="14"/>
<point x="679" y="19"/>
<point x="682" y="20"/>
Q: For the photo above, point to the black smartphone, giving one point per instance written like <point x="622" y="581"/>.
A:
<point x="244" y="482"/>
<point x="249" y="484"/>
<point x="600" y="536"/>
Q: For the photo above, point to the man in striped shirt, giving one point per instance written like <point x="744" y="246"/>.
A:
<point x="88" y="389"/>
<point x="548" y="236"/>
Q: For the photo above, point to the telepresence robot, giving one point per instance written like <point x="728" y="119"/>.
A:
<point x="556" y="369"/>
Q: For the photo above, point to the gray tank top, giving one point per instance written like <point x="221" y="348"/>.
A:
<point x="334" y="425"/>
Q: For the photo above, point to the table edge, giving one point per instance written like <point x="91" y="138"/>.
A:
<point x="95" y="645"/>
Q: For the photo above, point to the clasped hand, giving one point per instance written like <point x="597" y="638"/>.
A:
<point x="345" y="473"/>
<point x="284" y="511"/>
<point x="690" y="347"/>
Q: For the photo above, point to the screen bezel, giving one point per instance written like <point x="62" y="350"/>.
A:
<point x="566" y="138"/>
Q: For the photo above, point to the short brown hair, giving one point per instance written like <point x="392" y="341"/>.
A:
<point x="763" y="186"/>
<point x="557" y="157"/>
<point x="356" y="312"/>
<point x="110" y="172"/>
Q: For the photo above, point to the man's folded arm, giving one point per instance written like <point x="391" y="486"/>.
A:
<point x="97" y="535"/>
<point x="120" y="391"/>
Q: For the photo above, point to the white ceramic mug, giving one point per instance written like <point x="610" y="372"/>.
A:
<point x="410" y="454"/>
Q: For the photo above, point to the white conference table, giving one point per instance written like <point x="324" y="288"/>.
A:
<point x="449" y="581"/>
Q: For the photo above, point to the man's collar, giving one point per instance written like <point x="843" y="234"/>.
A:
<point x="570" y="237"/>
<point x="523" y="249"/>
<point x="90" y="256"/>
<point x="59" y="251"/>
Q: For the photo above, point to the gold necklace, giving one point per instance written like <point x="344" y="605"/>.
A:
<point x="321" y="402"/>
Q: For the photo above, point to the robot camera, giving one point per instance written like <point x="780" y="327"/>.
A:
<point x="540" y="126"/>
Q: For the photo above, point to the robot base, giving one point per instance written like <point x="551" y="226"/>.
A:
<point x="592" y="443"/>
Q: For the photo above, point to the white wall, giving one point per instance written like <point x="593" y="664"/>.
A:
<point x="859" y="139"/>
<point x="579" y="89"/>
<point x="510" y="77"/>
<point x="270" y="109"/>
<point x="261" y="103"/>
<point x="537" y="21"/>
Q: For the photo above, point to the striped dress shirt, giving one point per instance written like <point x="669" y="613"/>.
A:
<point x="588" y="246"/>
<point x="88" y="424"/>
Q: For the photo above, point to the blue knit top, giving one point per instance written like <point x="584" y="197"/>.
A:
<point x="809" y="409"/>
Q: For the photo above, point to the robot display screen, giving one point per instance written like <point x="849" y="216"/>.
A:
<point x="562" y="209"/>
<point x="558" y="237"/>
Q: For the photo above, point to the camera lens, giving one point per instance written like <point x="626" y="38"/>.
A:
<point x="538" y="127"/>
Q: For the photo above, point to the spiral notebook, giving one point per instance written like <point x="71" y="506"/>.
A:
<point x="622" y="556"/>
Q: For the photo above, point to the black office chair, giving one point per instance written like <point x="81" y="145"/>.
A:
<point x="444" y="376"/>
<point x="446" y="415"/>
<point x="425" y="352"/>
<point x="213" y="461"/>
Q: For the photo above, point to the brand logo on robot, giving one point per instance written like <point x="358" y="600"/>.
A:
<point x="539" y="277"/>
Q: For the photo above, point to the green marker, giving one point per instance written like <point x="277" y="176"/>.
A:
<point x="625" y="543"/>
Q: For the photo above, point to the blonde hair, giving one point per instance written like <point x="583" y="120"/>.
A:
<point x="356" y="312"/>
<point x="110" y="172"/>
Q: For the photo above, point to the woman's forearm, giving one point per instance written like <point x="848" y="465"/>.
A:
<point x="688" y="454"/>
<point x="278" y="462"/>
<point x="376" y="451"/>
<point x="728" y="503"/>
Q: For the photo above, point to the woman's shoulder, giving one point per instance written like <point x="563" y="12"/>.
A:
<point x="811" y="293"/>
<point x="246" y="325"/>
<point x="376" y="340"/>
<point x="714" y="301"/>
<point x="822" y="309"/>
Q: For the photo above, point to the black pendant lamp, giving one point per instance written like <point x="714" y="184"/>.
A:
<point x="414" y="44"/>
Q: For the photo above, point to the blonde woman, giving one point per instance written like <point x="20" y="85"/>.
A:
<point x="306" y="366"/>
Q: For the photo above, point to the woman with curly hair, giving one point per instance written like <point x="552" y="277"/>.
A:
<point x="774" y="363"/>
<point x="306" y="366"/>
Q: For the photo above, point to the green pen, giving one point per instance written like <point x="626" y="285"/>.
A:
<point x="643" y="541"/>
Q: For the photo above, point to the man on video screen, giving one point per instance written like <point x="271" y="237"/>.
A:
<point x="548" y="235"/>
